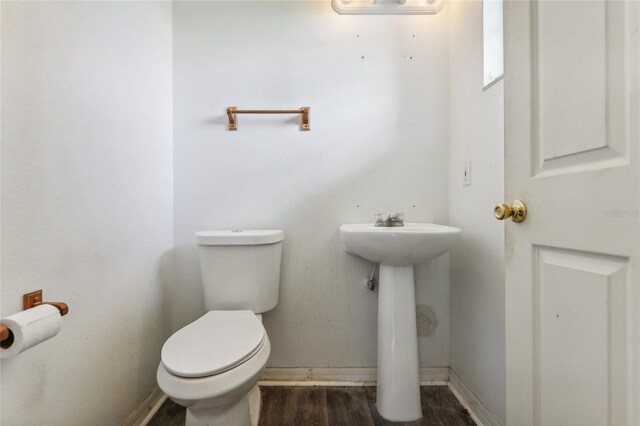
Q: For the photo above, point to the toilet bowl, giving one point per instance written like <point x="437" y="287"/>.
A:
<point x="212" y="366"/>
<point x="215" y="389"/>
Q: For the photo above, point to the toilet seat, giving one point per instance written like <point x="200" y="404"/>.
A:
<point x="187" y="391"/>
<point x="216" y="342"/>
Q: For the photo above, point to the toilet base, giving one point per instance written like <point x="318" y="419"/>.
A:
<point x="255" y="403"/>
<point x="234" y="414"/>
<point x="244" y="412"/>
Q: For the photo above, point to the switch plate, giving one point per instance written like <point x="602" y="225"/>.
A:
<point x="466" y="174"/>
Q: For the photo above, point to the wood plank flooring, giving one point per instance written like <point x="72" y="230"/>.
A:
<point x="335" y="406"/>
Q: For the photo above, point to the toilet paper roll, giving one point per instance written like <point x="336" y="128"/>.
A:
<point x="31" y="327"/>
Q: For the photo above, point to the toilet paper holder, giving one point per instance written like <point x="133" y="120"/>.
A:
<point x="30" y="300"/>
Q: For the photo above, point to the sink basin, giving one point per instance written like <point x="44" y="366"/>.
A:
<point x="409" y="245"/>
<point x="397" y="250"/>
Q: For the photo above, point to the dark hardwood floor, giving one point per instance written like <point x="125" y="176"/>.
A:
<point x="332" y="406"/>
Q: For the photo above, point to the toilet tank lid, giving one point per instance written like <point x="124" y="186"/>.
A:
<point x="238" y="237"/>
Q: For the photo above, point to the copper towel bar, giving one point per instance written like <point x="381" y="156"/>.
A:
<point x="29" y="300"/>
<point x="303" y="111"/>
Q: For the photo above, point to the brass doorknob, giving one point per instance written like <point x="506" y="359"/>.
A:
<point x="516" y="211"/>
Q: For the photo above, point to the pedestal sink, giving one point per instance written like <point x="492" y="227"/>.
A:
<point x="397" y="250"/>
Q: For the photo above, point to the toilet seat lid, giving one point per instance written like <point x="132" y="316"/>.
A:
<point x="214" y="343"/>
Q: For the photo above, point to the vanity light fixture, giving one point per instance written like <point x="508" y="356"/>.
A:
<point x="387" y="7"/>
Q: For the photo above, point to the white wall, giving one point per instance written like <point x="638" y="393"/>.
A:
<point x="86" y="202"/>
<point x="477" y="262"/>
<point x="377" y="87"/>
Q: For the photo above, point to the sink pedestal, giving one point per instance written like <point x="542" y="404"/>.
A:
<point x="397" y="249"/>
<point x="398" y="396"/>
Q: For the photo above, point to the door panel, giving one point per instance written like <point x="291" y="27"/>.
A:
<point x="580" y="59"/>
<point x="572" y="121"/>
<point x="580" y="342"/>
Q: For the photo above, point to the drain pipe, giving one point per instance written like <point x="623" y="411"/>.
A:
<point x="371" y="284"/>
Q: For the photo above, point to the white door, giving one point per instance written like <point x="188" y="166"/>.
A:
<point x="572" y="155"/>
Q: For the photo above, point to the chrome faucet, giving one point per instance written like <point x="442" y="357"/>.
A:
<point x="394" y="219"/>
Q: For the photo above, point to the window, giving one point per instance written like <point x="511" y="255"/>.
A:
<point x="493" y="58"/>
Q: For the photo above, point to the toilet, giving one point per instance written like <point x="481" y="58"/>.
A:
<point x="212" y="365"/>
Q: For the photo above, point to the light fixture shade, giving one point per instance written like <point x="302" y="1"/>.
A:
<point x="387" y="7"/>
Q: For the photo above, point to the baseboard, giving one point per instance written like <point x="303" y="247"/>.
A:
<point x="147" y="408"/>
<point x="341" y="376"/>
<point x="480" y="414"/>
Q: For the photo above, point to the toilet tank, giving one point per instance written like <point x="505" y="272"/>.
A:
<point x="240" y="269"/>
